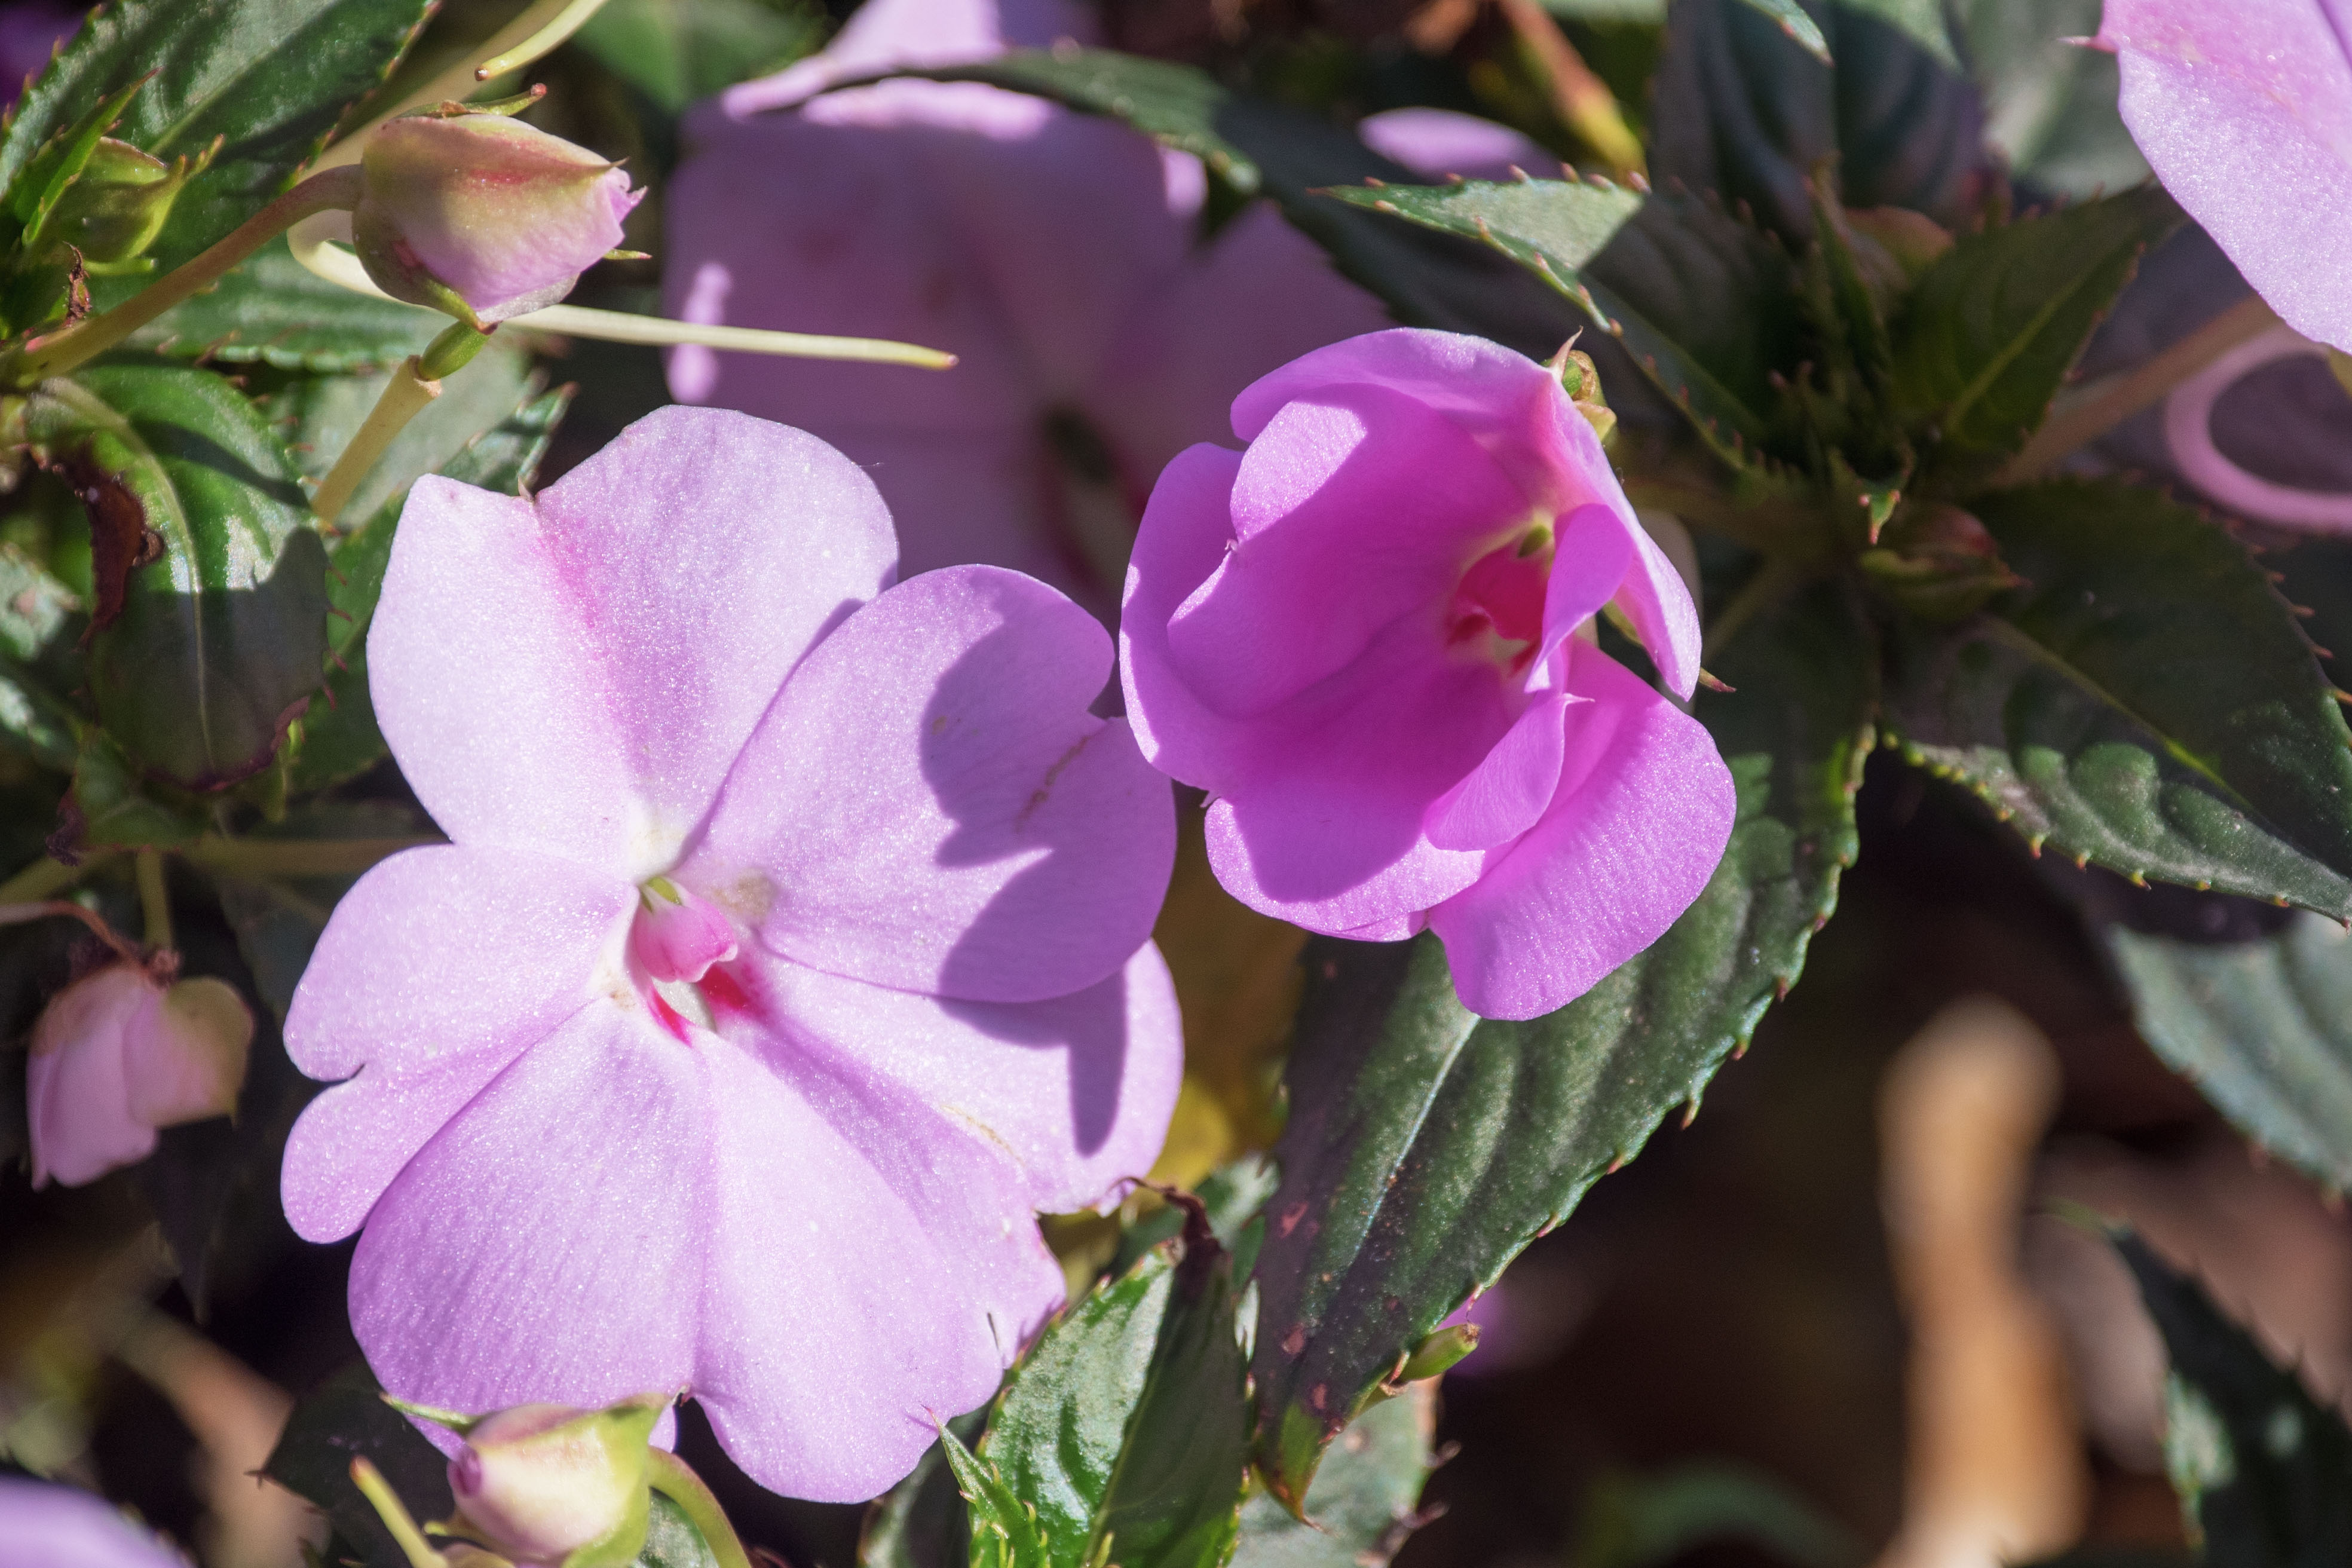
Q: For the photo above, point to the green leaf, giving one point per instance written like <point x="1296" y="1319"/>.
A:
<point x="671" y="1540"/>
<point x="110" y="807"/>
<point x="1255" y="147"/>
<point x="1426" y="1146"/>
<point x="33" y="195"/>
<point x="1363" y="1503"/>
<point x="339" y="736"/>
<point x="2262" y="1470"/>
<point x="1703" y="304"/>
<point x="273" y="310"/>
<point x="921" y="1523"/>
<point x="36" y="616"/>
<point x="1004" y="1529"/>
<point x="218" y="644"/>
<point x="1126" y="1428"/>
<point x="2051" y="104"/>
<point x="2264" y="1029"/>
<point x="1987" y="337"/>
<point x="345" y="1419"/>
<point x="1744" y="110"/>
<point x="676" y="51"/>
<point x="2146" y="701"/>
<point x="1636" y="1521"/>
<point x="1233" y="1194"/>
<point x="1802" y="29"/>
<point x="270" y="78"/>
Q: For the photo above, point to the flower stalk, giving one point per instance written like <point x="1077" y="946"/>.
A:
<point x="413" y="388"/>
<point x="395" y="1516"/>
<point x="154" y="898"/>
<point x="669" y="1475"/>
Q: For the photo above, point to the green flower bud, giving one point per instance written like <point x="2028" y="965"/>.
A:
<point x="117" y="206"/>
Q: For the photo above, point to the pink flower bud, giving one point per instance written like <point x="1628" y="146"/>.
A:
<point x="552" y="1485"/>
<point x="677" y="934"/>
<point x="483" y="216"/>
<point x="116" y="1055"/>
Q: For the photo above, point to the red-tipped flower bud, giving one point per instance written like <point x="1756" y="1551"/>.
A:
<point x="117" y="1056"/>
<point x="481" y="216"/>
<point x="551" y="1487"/>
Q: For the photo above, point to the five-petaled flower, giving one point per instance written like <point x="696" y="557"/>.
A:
<point x="1359" y="638"/>
<point x="789" y="955"/>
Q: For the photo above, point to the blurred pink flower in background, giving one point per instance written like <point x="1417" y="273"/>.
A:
<point x="30" y="32"/>
<point x="45" y="1526"/>
<point x="1359" y="635"/>
<point x="1058" y="255"/>
<point x="2245" y="110"/>
<point x="789" y="955"/>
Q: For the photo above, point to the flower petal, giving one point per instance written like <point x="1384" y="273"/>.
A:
<point x="1185" y="530"/>
<point x="931" y="807"/>
<point x="1445" y="143"/>
<point x="1627" y="844"/>
<point x="826" y="1361"/>
<point x="575" y="675"/>
<point x="546" y="1244"/>
<point x="1504" y="795"/>
<point x="76" y="1083"/>
<point x="439" y="968"/>
<point x="1076" y="1090"/>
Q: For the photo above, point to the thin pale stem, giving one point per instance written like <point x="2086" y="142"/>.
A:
<point x="669" y="1476"/>
<point x="45" y="876"/>
<point x="532" y="33"/>
<point x="154" y="898"/>
<point x="1774" y="581"/>
<point x="1583" y="100"/>
<point x="408" y="395"/>
<point x="296" y="857"/>
<point x="62" y="351"/>
<point x="2109" y="403"/>
<point x="23" y="914"/>
<point x="395" y="1516"/>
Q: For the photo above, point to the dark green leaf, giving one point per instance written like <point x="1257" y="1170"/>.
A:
<point x="1425" y="1146"/>
<point x="676" y="51"/>
<point x="33" y="195"/>
<point x="340" y="738"/>
<point x="36" y="615"/>
<point x="2264" y="1028"/>
<point x="1255" y="147"/>
<point x="1636" y="1521"/>
<point x="1126" y="1428"/>
<point x="1988" y="336"/>
<point x="921" y="1524"/>
<point x="2146" y="701"/>
<point x="345" y="1419"/>
<point x="671" y="1540"/>
<point x="112" y="810"/>
<point x="1744" y="110"/>
<point x="1363" y="1499"/>
<point x="218" y="642"/>
<point x="2050" y="103"/>
<point x="1802" y="29"/>
<point x="274" y="310"/>
<point x="2263" y="1469"/>
<point x="272" y="78"/>
<point x="1004" y="1530"/>
<point x="1703" y="304"/>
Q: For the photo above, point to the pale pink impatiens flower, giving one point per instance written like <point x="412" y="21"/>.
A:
<point x="1359" y="635"/>
<point x="788" y="956"/>
<point x="1061" y="257"/>
<point x="47" y="1526"/>
<point x="2245" y="110"/>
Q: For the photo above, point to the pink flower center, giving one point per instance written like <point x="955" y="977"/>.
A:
<point x="675" y="939"/>
<point x="1498" y="606"/>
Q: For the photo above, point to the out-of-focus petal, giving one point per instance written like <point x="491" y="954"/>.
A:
<point x="185" y="1056"/>
<point x="2245" y="113"/>
<point x="1626" y="844"/>
<point x="46" y="1526"/>
<point x="575" y="675"/>
<point x="546" y="1244"/>
<point x="871" y="1267"/>
<point x="892" y="33"/>
<point x="76" y="1083"/>
<point x="930" y="806"/>
<point x="1078" y="1090"/>
<point x="1353" y="508"/>
<point x="1441" y="142"/>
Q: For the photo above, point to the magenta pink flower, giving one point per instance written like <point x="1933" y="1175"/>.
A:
<point x="789" y="955"/>
<point x="2245" y="110"/>
<point x="117" y="1056"/>
<point x="45" y="1526"/>
<point x="497" y="212"/>
<point x="1359" y="635"/>
<point x="1057" y="255"/>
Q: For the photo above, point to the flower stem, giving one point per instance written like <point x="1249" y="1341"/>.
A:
<point x="394" y="1514"/>
<point x="296" y="857"/>
<point x="85" y="340"/>
<point x="154" y="898"/>
<point x="2115" y="400"/>
<point x="1582" y="100"/>
<point x="45" y="877"/>
<point x="407" y="394"/>
<point x="23" y="914"/>
<point x="669" y="1476"/>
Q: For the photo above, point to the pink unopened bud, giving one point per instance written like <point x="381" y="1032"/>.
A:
<point x="553" y="1487"/>
<point x="481" y="216"/>
<point x="676" y="935"/>
<point x="116" y="1055"/>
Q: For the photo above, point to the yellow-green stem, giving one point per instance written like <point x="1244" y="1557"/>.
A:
<point x="154" y="898"/>
<point x="1583" y="101"/>
<point x="46" y="877"/>
<point x="296" y="857"/>
<point x="669" y="1476"/>
<point x="93" y="335"/>
<point x="407" y="396"/>
<point x="2144" y="386"/>
<point x="394" y="1514"/>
